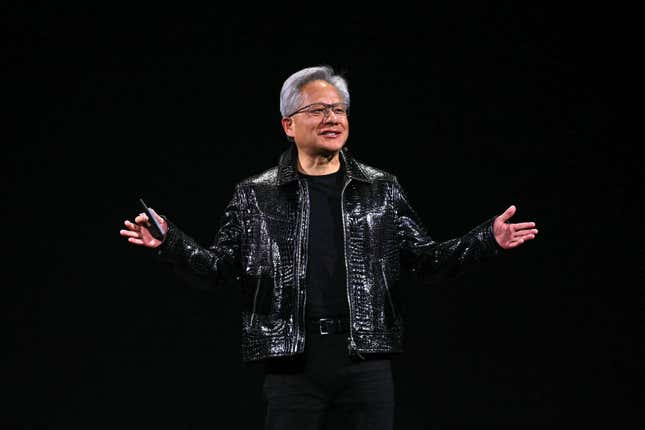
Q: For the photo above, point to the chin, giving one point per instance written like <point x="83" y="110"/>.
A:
<point x="332" y="146"/>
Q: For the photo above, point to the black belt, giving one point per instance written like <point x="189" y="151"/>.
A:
<point x="329" y="325"/>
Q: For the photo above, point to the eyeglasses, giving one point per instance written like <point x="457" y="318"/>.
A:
<point x="322" y="110"/>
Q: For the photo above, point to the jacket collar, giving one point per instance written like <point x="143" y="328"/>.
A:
<point x="288" y="172"/>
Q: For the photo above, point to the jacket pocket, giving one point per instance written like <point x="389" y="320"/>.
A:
<point x="387" y="289"/>
<point x="255" y="298"/>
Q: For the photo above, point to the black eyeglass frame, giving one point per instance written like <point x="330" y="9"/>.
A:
<point x="328" y="108"/>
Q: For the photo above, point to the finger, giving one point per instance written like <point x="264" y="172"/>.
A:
<point x="517" y="241"/>
<point x="129" y="233"/>
<point x="132" y="226"/>
<point x="514" y="243"/>
<point x="527" y="237"/>
<point x="523" y="225"/>
<point x="141" y="219"/>
<point x="508" y="213"/>
<point x="524" y="234"/>
<point x="135" y="241"/>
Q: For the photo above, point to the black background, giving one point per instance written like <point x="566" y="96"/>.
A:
<point x="473" y="108"/>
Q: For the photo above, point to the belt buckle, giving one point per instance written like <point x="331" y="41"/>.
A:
<point x="322" y="325"/>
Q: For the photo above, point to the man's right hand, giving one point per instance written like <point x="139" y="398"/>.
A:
<point x="137" y="232"/>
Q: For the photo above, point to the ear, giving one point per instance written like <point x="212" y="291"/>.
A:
<point x="287" y="126"/>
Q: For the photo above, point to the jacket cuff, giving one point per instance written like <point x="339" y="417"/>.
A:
<point x="489" y="237"/>
<point x="168" y="247"/>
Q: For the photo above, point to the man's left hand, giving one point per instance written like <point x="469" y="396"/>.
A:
<point x="510" y="235"/>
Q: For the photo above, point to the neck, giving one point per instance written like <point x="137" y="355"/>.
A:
<point x="319" y="164"/>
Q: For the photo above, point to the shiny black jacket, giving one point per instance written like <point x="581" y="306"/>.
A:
<point x="262" y="243"/>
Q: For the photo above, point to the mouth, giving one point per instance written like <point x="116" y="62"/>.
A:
<point x="330" y="133"/>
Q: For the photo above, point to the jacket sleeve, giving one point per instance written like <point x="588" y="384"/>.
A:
<point x="431" y="261"/>
<point x="206" y="266"/>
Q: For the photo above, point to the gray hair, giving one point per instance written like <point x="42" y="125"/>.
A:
<point x="290" y="97"/>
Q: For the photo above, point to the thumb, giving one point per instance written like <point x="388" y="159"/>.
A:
<point x="508" y="213"/>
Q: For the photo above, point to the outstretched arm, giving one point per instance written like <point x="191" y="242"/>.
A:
<point x="509" y="235"/>
<point x="430" y="260"/>
<point x="212" y="265"/>
<point x="434" y="260"/>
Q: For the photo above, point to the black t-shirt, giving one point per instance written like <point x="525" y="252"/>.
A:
<point x="326" y="277"/>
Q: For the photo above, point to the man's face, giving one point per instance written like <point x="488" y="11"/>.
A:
<point x="314" y="133"/>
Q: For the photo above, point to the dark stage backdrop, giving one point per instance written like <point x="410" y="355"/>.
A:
<point x="473" y="109"/>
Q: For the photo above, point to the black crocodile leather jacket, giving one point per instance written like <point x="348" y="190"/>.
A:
<point x="262" y="243"/>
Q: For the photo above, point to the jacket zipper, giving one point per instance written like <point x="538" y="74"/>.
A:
<point x="352" y="343"/>
<point x="298" y="258"/>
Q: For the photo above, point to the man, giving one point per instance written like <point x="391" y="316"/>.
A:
<point x="318" y="244"/>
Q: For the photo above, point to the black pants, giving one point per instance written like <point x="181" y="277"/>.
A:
<point x="300" y="392"/>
